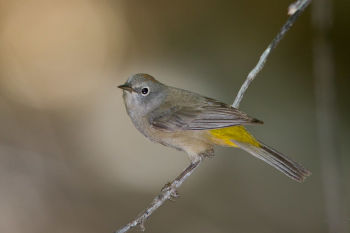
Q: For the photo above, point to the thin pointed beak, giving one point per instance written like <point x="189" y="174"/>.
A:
<point x="126" y="87"/>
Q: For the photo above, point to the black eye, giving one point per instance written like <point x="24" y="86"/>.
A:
<point x="144" y="91"/>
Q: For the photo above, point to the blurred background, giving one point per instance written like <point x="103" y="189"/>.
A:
<point x="71" y="160"/>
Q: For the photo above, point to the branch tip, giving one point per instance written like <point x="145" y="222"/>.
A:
<point x="294" y="10"/>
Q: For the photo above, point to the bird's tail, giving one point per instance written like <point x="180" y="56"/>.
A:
<point x="276" y="159"/>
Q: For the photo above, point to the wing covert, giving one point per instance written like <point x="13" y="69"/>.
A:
<point x="208" y="114"/>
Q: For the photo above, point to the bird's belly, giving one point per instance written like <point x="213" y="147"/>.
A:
<point x="193" y="142"/>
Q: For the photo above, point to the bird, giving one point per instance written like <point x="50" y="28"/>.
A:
<point x="194" y="123"/>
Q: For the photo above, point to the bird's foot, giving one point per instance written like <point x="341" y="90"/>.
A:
<point x="173" y="193"/>
<point x="166" y="187"/>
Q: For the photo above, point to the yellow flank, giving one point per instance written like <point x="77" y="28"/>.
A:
<point x="224" y="136"/>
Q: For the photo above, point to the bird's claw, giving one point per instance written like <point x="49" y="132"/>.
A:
<point x="166" y="187"/>
<point x="173" y="193"/>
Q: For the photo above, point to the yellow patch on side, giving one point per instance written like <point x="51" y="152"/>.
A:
<point x="224" y="136"/>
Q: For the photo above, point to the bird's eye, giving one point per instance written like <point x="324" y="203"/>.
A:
<point x="144" y="91"/>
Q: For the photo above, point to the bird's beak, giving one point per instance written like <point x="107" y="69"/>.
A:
<point x="126" y="87"/>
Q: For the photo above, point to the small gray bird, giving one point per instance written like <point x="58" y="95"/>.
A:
<point x="194" y="123"/>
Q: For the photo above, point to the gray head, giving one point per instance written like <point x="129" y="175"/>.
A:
<point x="142" y="93"/>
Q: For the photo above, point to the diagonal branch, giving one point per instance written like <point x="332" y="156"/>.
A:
<point x="295" y="9"/>
<point x="169" y="190"/>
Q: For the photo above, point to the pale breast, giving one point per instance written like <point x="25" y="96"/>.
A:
<point x="193" y="142"/>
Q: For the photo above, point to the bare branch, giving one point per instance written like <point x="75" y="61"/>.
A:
<point x="295" y="9"/>
<point x="169" y="190"/>
<point x="167" y="193"/>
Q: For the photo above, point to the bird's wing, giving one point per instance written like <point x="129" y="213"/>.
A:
<point x="204" y="114"/>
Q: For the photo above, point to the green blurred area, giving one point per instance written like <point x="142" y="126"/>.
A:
<point x="70" y="158"/>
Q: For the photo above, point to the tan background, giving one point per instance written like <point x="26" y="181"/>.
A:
<point x="70" y="158"/>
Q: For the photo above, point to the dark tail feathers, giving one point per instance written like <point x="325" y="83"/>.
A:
<point x="276" y="159"/>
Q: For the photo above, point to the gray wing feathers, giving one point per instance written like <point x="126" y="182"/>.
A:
<point x="198" y="113"/>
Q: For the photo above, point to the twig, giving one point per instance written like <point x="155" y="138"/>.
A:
<point x="295" y="9"/>
<point x="169" y="191"/>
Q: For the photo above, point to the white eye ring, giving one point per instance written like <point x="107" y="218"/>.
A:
<point x="145" y="91"/>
